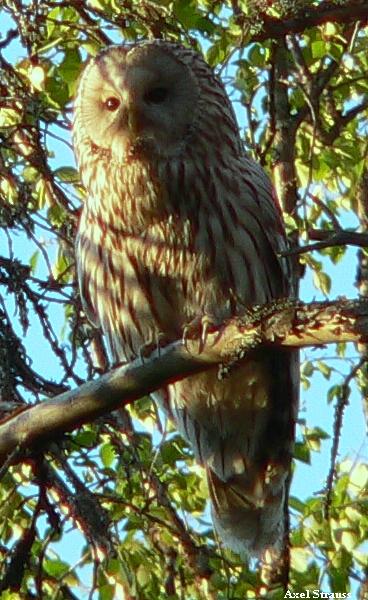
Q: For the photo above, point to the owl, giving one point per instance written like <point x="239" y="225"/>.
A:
<point x="181" y="227"/>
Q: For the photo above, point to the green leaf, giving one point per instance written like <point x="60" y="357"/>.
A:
<point x="61" y="267"/>
<point x="308" y="369"/>
<point x="188" y="15"/>
<point x="319" y="49"/>
<point x="335" y="391"/>
<point x="86" y="438"/>
<point x="324" y="369"/>
<point x="57" y="90"/>
<point x="297" y="504"/>
<point x="70" y="68"/>
<point x="347" y="538"/>
<point x="67" y="174"/>
<point x="300" y="558"/>
<point x="30" y="174"/>
<point x="258" y="55"/>
<point x="106" y="592"/>
<point x="92" y="47"/>
<point x="143" y="576"/>
<point x="171" y="452"/>
<point x="322" y="281"/>
<point x="217" y="53"/>
<point x="33" y="261"/>
<point x="358" y="478"/>
<point x="318" y="433"/>
<point x="56" y="568"/>
<point x="338" y="579"/>
<point x="301" y="452"/>
<point x="107" y="454"/>
<point x="330" y="29"/>
<point x="52" y="16"/>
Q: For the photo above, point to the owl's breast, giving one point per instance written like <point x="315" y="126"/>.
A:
<point x="139" y="286"/>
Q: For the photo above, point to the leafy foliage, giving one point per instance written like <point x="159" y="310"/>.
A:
<point x="118" y="508"/>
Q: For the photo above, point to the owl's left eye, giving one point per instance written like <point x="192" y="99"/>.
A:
<point x="112" y="103"/>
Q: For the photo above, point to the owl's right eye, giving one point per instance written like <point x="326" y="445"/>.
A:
<point x="112" y="103"/>
<point x="156" y="95"/>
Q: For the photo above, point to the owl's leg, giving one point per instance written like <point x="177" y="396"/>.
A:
<point x="198" y="328"/>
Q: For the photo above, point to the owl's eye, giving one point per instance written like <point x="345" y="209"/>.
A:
<point x="156" y="95"/>
<point x="112" y="103"/>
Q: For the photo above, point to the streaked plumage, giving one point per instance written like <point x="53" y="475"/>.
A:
<point x="179" y="224"/>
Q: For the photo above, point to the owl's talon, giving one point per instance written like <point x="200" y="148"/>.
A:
<point x="160" y="341"/>
<point x="151" y="345"/>
<point x="185" y="337"/>
<point x="198" y="329"/>
<point x="206" y="322"/>
<point x="145" y="350"/>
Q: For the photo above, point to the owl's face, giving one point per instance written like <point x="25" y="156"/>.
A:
<point x="137" y="99"/>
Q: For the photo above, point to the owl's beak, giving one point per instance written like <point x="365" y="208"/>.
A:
<point x="129" y="116"/>
<point x="132" y="122"/>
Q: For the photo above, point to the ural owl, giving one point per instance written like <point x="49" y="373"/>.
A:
<point x="180" y="225"/>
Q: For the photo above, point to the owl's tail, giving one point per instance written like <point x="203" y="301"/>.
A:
<point x="248" y="514"/>
<point x="241" y="430"/>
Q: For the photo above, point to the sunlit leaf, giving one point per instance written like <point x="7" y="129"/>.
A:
<point x="108" y="455"/>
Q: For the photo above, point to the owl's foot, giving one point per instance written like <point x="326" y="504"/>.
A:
<point x="198" y="328"/>
<point x="153" y="344"/>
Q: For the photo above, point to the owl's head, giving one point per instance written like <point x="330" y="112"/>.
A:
<point x="153" y="98"/>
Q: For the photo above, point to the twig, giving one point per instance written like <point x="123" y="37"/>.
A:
<point x="11" y="35"/>
<point x="342" y="403"/>
<point x="328" y="239"/>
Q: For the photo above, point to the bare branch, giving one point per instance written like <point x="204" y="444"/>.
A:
<point x="342" y="402"/>
<point x="284" y="323"/>
<point x="11" y="35"/>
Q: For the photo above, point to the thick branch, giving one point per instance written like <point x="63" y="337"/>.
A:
<point x="284" y="174"/>
<point x="283" y="323"/>
<point x="326" y="12"/>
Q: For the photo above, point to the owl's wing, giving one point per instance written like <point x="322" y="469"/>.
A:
<point x="241" y="429"/>
<point x="271" y="219"/>
<point x="241" y="231"/>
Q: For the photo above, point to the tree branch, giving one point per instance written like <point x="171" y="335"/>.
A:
<point x="290" y="324"/>
<point x="327" y="238"/>
<point x="10" y="36"/>
<point x="326" y="12"/>
<point x="340" y="121"/>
